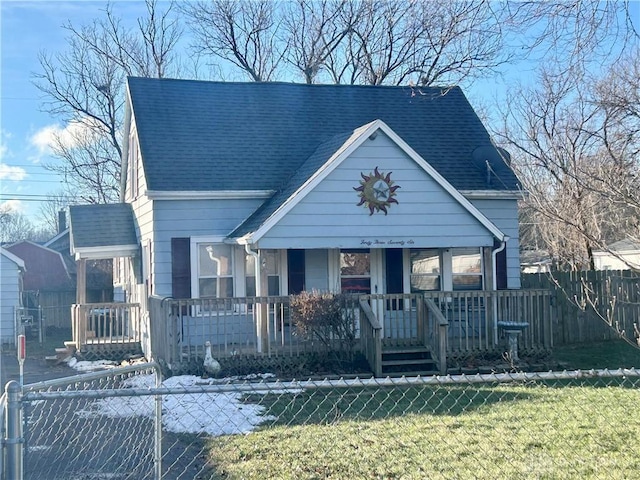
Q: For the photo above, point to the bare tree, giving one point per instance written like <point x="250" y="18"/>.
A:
<point x="362" y="41"/>
<point x="240" y="32"/>
<point x="50" y="210"/>
<point x="83" y="88"/>
<point x="15" y="226"/>
<point x="313" y="31"/>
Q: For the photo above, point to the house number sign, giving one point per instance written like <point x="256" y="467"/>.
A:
<point x="377" y="191"/>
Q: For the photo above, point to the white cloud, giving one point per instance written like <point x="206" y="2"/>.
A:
<point x="13" y="206"/>
<point x="4" y="148"/>
<point x="76" y="133"/>
<point x="8" y="172"/>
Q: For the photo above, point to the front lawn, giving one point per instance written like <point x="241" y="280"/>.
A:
<point x="560" y="429"/>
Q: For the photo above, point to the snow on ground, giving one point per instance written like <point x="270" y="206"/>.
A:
<point x="211" y="413"/>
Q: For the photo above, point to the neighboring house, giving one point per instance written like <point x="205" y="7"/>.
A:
<point x="236" y="190"/>
<point x="48" y="287"/>
<point x="622" y="255"/>
<point x="11" y="271"/>
<point x="535" y="261"/>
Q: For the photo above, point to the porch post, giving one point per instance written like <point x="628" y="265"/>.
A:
<point x="263" y="281"/>
<point x="81" y="281"/>
<point x="79" y="314"/>
<point x="490" y="284"/>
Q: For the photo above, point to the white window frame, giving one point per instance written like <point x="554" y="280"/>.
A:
<point x="195" y="265"/>
<point x="371" y="276"/>
<point x="463" y="274"/>
<point x="441" y="268"/>
<point x="281" y="263"/>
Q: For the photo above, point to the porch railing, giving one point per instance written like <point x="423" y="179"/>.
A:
<point x="371" y="337"/>
<point x="105" y="324"/>
<point x="473" y="316"/>
<point x="436" y="336"/>
<point x="449" y="323"/>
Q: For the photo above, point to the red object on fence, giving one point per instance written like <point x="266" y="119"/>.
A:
<point x="22" y="348"/>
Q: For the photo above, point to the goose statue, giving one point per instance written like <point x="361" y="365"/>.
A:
<point x="211" y="365"/>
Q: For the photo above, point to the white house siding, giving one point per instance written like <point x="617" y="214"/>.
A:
<point x="504" y="214"/>
<point x="188" y="218"/>
<point x="9" y="298"/>
<point x="329" y="216"/>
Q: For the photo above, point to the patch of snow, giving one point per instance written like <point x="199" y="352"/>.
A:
<point x="87" y="366"/>
<point x="215" y="414"/>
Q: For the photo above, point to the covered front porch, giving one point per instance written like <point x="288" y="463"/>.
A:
<point x="444" y="325"/>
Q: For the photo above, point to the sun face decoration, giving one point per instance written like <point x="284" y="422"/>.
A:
<point x="377" y="191"/>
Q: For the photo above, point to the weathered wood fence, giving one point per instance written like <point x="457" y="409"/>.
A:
<point x="593" y="305"/>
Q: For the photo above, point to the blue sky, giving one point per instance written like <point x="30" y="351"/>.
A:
<point x="29" y="27"/>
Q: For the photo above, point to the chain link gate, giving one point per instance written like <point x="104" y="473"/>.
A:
<point x="121" y="424"/>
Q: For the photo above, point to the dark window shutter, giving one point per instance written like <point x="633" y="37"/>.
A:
<point x="501" y="268"/>
<point x="180" y="268"/>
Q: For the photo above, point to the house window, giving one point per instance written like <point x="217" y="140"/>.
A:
<point x="215" y="270"/>
<point x="466" y="268"/>
<point x="355" y="271"/>
<point x="425" y="270"/>
<point x="271" y="258"/>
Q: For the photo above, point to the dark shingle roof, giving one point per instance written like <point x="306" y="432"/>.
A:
<point x="318" y="158"/>
<point x="200" y="136"/>
<point x="107" y="225"/>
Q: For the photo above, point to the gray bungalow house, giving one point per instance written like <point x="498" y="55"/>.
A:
<point x="237" y="195"/>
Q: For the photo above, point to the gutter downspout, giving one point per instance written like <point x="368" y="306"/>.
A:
<point x="258" y="311"/>
<point x="494" y="254"/>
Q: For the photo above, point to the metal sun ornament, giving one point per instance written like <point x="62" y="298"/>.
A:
<point x="377" y="191"/>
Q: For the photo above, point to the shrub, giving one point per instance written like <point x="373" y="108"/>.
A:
<point x="328" y="318"/>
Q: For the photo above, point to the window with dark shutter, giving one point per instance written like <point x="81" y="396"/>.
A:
<point x="180" y="268"/>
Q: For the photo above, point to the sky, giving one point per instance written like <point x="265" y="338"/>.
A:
<point x="28" y="28"/>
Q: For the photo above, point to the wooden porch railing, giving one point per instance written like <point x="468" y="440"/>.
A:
<point x="436" y="336"/>
<point x="450" y="323"/>
<point x="473" y="317"/>
<point x="105" y="324"/>
<point x="371" y="337"/>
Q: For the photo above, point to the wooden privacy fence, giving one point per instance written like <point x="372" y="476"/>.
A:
<point x="591" y="305"/>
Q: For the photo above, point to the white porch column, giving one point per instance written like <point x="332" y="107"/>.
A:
<point x="81" y="281"/>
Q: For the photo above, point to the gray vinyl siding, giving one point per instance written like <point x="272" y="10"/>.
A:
<point x="188" y="218"/>
<point x="316" y="270"/>
<point x="10" y="298"/>
<point x="329" y="216"/>
<point x="504" y="214"/>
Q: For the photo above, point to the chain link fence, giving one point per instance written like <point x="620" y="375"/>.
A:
<point x="125" y="424"/>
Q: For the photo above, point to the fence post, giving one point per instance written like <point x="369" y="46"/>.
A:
<point x="157" y="452"/>
<point x="14" y="441"/>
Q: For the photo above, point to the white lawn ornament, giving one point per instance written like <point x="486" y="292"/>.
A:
<point x="211" y="365"/>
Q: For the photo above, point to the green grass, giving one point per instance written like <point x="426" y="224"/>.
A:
<point x="557" y="431"/>
<point x="611" y="354"/>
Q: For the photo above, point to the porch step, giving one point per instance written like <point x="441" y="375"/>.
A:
<point x="408" y="361"/>
<point x="62" y="354"/>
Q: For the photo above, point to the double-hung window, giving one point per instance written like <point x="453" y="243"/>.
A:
<point x="425" y="270"/>
<point x="466" y="268"/>
<point x="271" y="261"/>
<point x="214" y="270"/>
